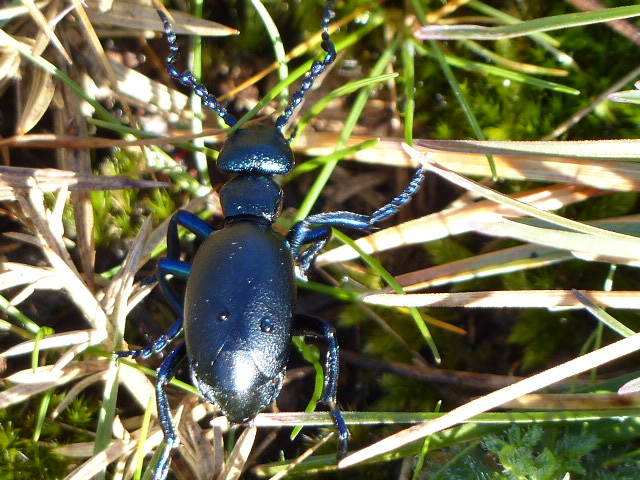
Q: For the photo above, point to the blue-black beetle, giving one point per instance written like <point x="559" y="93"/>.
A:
<point x="238" y="315"/>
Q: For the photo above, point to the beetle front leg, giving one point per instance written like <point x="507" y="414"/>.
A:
<point x="172" y="265"/>
<point x="301" y="234"/>
<point x="318" y="328"/>
<point x="179" y="269"/>
<point x="166" y="372"/>
<point x="191" y="222"/>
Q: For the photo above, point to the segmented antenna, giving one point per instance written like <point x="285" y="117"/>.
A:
<point x="188" y="79"/>
<point x="398" y="202"/>
<point x="316" y="69"/>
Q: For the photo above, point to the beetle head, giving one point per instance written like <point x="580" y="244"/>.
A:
<point x="256" y="150"/>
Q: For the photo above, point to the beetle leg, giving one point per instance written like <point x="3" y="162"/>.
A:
<point x="166" y="372"/>
<point x="178" y="269"/>
<point x="316" y="229"/>
<point x="158" y="344"/>
<point x="189" y="221"/>
<point x="172" y="265"/>
<point x="301" y="234"/>
<point x="318" y="328"/>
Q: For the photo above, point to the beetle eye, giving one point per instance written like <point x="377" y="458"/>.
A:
<point x="266" y="325"/>
<point x="223" y="315"/>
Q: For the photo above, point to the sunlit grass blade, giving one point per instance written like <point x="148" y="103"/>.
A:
<point x="345" y="89"/>
<point x="495" y="196"/>
<point x="597" y="245"/>
<point x="388" y="278"/>
<point x="553" y="300"/>
<point x="627" y="96"/>
<point x="578" y="365"/>
<point x="603" y="316"/>
<point x="311" y="165"/>
<point x="508" y="260"/>
<point x="546" y="24"/>
<point x="454" y="221"/>
<point x="512" y="65"/>
<point x="628" y="149"/>
<point x="136" y="17"/>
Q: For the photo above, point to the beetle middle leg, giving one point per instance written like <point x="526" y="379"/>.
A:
<point x="172" y="265"/>
<point x="315" y="327"/>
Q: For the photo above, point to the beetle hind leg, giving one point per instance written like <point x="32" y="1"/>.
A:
<point x="158" y="344"/>
<point x="166" y="372"/>
<point x="318" y="328"/>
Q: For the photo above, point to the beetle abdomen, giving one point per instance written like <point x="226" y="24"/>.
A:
<point x="238" y="314"/>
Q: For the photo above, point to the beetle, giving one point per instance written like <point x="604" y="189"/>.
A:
<point x="238" y="314"/>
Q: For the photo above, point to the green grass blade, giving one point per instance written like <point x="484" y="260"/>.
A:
<point x="387" y="277"/>
<point x="197" y="126"/>
<point x="603" y="316"/>
<point x="315" y="163"/>
<point x="299" y="72"/>
<point x="346" y="89"/>
<point x="541" y="38"/>
<point x="546" y="24"/>
<point x="408" y="58"/>
<point x="466" y="108"/>
<point x="276" y="41"/>
<point x="30" y="328"/>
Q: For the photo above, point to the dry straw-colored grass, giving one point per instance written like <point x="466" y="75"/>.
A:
<point x="575" y="170"/>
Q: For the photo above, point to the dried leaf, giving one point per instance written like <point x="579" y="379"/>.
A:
<point x="39" y="96"/>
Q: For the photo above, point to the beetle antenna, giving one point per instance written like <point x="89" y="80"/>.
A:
<point x="187" y="78"/>
<point x="316" y="69"/>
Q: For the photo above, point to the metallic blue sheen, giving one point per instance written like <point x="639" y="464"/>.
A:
<point x="258" y="150"/>
<point x="242" y="275"/>
<point x="251" y="196"/>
